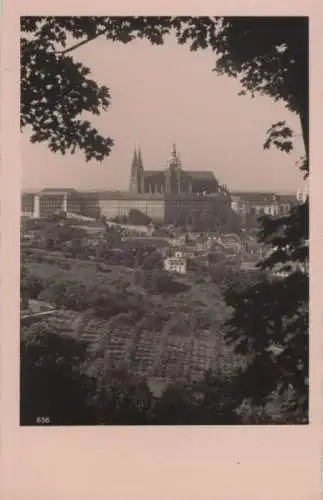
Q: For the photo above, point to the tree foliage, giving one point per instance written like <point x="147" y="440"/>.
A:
<point x="288" y="238"/>
<point x="269" y="56"/>
<point x="270" y="319"/>
<point x="270" y="324"/>
<point x="55" y="90"/>
<point x="51" y="383"/>
<point x="138" y="218"/>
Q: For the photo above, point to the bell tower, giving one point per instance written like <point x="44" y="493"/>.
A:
<point x="173" y="173"/>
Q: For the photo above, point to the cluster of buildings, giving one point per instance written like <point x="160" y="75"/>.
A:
<point x="247" y="249"/>
<point x="257" y="204"/>
<point x="171" y="196"/>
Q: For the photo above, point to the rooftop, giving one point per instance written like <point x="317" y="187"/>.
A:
<point x="262" y="197"/>
<point x="203" y="175"/>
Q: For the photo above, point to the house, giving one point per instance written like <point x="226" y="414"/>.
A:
<point x="177" y="264"/>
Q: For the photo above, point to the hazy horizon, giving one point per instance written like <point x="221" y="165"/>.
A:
<point x="167" y="94"/>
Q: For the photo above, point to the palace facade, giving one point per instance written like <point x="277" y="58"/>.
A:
<point x="168" y="209"/>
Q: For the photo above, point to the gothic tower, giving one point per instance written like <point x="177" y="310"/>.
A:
<point x="137" y="174"/>
<point x="133" y="174"/>
<point x="141" y="180"/>
<point x="173" y="173"/>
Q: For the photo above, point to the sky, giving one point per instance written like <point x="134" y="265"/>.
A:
<point x="167" y="94"/>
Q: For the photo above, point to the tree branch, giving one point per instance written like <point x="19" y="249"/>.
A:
<point x="84" y="42"/>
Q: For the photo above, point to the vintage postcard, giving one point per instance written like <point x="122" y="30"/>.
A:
<point x="156" y="174"/>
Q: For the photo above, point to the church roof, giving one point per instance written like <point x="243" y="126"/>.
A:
<point x="153" y="173"/>
<point x="202" y="175"/>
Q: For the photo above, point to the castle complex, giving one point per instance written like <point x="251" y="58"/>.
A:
<point x="171" y="196"/>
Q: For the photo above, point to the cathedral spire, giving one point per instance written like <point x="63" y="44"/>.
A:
<point x="139" y="159"/>
<point x="174" y="152"/>
<point x="134" y="159"/>
<point x="141" y="175"/>
<point x="134" y="185"/>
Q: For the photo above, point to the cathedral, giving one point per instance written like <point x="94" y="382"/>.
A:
<point x="172" y="180"/>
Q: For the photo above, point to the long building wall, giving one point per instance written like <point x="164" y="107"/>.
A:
<point x="116" y="207"/>
<point x="172" y="209"/>
<point x="92" y="205"/>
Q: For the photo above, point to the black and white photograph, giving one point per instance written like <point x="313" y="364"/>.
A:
<point x="164" y="240"/>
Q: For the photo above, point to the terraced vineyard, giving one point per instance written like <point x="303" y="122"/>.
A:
<point x="151" y="354"/>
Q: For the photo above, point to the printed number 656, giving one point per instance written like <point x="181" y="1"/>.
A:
<point x="42" y="420"/>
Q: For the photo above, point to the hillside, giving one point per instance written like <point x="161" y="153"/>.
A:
<point x="170" y="336"/>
